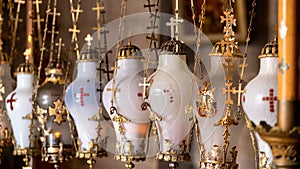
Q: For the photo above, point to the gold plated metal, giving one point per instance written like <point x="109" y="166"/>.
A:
<point x="206" y="99"/>
<point x="74" y="30"/>
<point x="227" y="47"/>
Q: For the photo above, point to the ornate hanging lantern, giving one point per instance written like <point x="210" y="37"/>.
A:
<point x="82" y="100"/>
<point x="122" y="98"/>
<point x="219" y="149"/>
<point x="19" y="108"/>
<point x="169" y="95"/>
<point x="261" y="91"/>
<point x="55" y="122"/>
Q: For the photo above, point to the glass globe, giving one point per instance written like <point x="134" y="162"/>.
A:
<point x="55" y="123"/>
<point x="122" y="99"/>
<point x="169" y="95"/>
<point x="83" y="101"/>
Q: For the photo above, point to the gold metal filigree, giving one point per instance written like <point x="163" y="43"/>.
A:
<point x="206" y="99"/>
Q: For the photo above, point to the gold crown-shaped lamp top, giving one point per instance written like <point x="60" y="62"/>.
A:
<point x="269" y="50"/>
<point x="26" y="68"/>
<point x="55" y="66"/>
<point x="173" y="46"/>
<point x="89" y="54"/>
<point x="227" y="47"/>
<point x="130" y="51"/>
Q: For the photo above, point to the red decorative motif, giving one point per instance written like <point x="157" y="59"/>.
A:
<point x="271" y="99"/>
<point x="140" y="94"/>
<point x="79" y="96"/>
<point x="11" y="100"/>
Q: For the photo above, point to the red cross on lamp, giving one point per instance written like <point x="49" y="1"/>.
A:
<point x="19" y="107"/>
<point x="83" y="102"/>
<point x="261" y="91"/>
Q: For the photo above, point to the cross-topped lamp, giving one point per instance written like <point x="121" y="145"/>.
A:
<point x="55" y="124"/>
<point x="19" y="107"/>
<point x="122" y="98"/>
<point x="228" y="91"/>
<point x="83" y="102"/>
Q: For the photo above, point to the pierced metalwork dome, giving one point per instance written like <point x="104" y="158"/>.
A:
<point x="25" y="68"/>
<point x="88" y="55"/>
<point x="173" y="46"/>
<point x="226" y="49"/>
<point x="270" y="49"/>
<point x="130" y="52"/>
<point x="55" y="67"/>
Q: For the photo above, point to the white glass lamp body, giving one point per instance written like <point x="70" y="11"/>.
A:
<point x="132" y="135"/>
<point x="19" y="105"/>
<point x="82" y="101"/>
<point x="169" y="95"/>
<point x="260" y="99"/>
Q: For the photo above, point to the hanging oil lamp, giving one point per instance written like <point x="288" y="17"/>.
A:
<point x="20" y="110"/>
<point x="82" y="100"/>
<point x="169" y="95"/>
<point x="261" y="91"/>
<point x="122" y="98"/>
<point x="219" y="147"/>
<point x="55" y="122"/>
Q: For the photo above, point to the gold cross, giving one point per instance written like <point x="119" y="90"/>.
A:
<point x="74" y="31"/>
<point x="229" y="22"/>
<point x="145" y="85"/>
<point x="240" y="91"/>
<point x="243" y="66"/>
<point x="27" y="54"/>
<point x="229" y="91"/>
<point x="58" y="111"/>
<point x="113" y="90"/>
<point x="227" y="66"/>
<point x="59" y="44"/>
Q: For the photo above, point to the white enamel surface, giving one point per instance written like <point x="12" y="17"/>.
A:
<point x="128" y="103"/>
<point x="21" y="106"/>
<point x="168" y="96"/>
<point x="82" y="101"/>
<point x="254" y="100"/>
<point x="260" y="87"/>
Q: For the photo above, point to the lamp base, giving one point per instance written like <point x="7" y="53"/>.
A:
<point x="285" y="146"/>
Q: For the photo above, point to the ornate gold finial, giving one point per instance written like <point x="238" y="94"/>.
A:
<point x="227" y="47"/>
<point x="26" y="67"/>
